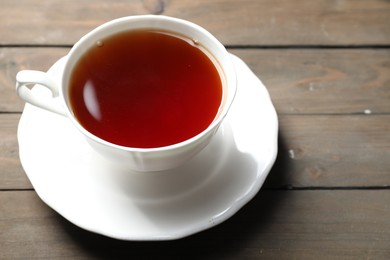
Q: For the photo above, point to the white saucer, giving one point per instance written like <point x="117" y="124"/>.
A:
<point x="102" y="197"/>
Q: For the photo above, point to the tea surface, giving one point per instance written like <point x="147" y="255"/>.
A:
<point x="145" y="89"/>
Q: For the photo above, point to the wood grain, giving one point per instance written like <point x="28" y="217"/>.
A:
<point x="12" y="175"/>
<point x="263" y="22"/>
<point x="314" y="151"/>
<point x="304" y="81"/>
<point x="332" y="151"/>
<point x="275" y="224"/>
<point x="13" y="60"/>
<point x="332" y="81"/>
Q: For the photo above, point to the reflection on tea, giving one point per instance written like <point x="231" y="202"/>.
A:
<point x="145" y="89"/>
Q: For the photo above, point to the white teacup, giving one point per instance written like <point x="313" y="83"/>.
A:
<point x="139" y="159"/>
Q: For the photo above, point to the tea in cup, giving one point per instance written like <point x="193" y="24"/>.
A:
<point x="146" y="91"/>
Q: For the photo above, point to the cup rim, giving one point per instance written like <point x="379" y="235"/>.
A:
<point x="229" y="74"/>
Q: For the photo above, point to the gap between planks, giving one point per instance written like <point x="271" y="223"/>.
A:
<point x="229" y="46"/>
<point x="285" y="188"/>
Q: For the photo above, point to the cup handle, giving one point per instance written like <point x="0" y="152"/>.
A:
<point x="28" y="77"/>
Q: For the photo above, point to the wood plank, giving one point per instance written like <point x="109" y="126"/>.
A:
<point x="255" y="22"/>
<point x="324" y="81"/>
<point x="275" y="224"/>
<point x="300" y="81"/>
<point x="13" y="60"/>
<point x="314" y="151"/>
<point x="12" y="175"/>
<point x="332" y="151"/>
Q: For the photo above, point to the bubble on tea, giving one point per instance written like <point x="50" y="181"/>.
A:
<point x="100" y="43"/>
<point x="195" y="41"/>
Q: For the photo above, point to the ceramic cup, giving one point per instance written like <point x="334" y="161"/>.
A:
<point x="138" y="159"/>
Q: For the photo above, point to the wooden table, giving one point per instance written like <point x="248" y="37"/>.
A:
<point x="326" y="65"/>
